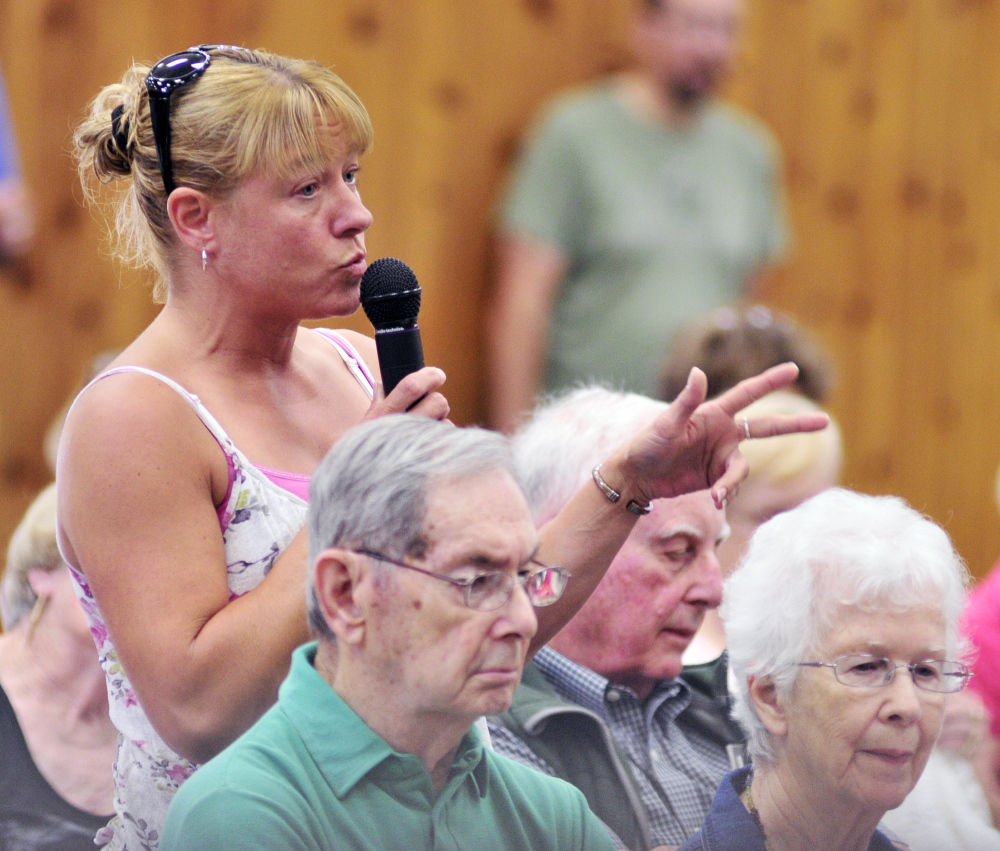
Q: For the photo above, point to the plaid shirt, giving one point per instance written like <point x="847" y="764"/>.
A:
<point x="676" y="772"/>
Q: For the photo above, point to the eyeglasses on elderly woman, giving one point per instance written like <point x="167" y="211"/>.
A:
<point x="864" y="671"/>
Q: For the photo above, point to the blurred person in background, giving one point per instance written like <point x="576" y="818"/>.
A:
<point x="981" y="624"/>
<point x="842" y="623"/>
<point x="956" y="804"/>
<point x="636" y="204"/>
<point x="784" y="473"/>
<point x="184" y="467"/>
<point x="733" y="343"/>
<point x="17" y="225"/>
<point x="950" y="807"/>
<point x="57" y="743"/>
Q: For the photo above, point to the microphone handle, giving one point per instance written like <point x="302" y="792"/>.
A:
<point x="399" y="354"/>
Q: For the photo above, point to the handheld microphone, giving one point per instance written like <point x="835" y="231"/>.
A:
<point x="390" y="296"/>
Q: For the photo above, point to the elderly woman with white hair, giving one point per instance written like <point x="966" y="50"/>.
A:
<point x="842" y="627"/>
<point x="57" y="742"/>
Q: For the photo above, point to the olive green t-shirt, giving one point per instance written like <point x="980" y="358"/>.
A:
<point x="312" y="776"/>
<point x="658" y="224"/>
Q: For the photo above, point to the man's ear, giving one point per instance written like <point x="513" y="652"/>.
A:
<point x="189" y="212"/>
<point x="768" y="703"/>
<point x="336" y="577"/>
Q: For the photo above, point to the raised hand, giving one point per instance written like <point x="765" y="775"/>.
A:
<point x="693" y="445"/>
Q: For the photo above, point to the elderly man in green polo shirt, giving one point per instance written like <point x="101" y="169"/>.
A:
<point x="424" y="575"/>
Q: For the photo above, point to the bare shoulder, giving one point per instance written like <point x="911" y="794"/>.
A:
<point x="128" y="410"/>
<point x="131" y="439"/>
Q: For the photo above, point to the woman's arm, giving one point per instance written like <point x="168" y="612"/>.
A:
<point x="139" y="479"/>
<point x="689" y="447"/>
<point x="139" y="476"/>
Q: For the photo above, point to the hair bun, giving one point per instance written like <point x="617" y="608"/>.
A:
<point x="119" y="136"/>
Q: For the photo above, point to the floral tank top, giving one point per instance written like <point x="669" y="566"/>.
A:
<point x="258" y="520"/>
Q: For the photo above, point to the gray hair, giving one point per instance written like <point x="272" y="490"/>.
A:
<point x="33" y="545"/>
<point x="570" y="434"/>
<point x="371" y="489"/>
<point x="838" y="548"/>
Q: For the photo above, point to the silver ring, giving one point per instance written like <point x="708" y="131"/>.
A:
<point x="746" y="428"/>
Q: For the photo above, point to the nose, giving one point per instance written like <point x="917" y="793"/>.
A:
<point x="903" y="700"/>
<point x="352" y="216"/>
<point x="706" y="581"/>
<point x="517" y="616"/>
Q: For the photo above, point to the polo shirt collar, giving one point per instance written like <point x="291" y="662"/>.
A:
<point x="343" y="746"/>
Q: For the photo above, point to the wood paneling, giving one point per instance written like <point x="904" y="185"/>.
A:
<point x="886" y="110"/>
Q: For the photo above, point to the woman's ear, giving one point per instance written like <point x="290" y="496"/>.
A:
<point x="768" y="703"/>
<point x="336" y="576"/>
<point x="189" y="212"/>
<point x="41" y="581"/>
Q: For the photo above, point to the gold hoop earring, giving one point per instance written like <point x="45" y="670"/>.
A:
<point x="36" y="613"/>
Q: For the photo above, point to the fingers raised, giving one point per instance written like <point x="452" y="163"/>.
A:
<point x="691" y="396"/>
<point x="775" y="424"/>
<point x="751" y="389"/>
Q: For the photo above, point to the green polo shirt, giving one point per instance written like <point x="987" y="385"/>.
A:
<point x="312" y="776"/>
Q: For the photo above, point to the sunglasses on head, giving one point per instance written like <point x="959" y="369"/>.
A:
<point x="164" y="78"/>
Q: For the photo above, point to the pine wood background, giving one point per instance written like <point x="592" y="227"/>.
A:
<point x="887" y="111"/>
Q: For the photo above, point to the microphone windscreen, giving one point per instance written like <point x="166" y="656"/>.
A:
<point x="390" y="294"/>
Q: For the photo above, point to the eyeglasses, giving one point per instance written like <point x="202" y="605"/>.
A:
<point x="164" y="78"/>
<point x="863" y="671"/>
<point x="489" y="590"/>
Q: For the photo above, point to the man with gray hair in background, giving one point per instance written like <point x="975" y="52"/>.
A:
<point x="424" y="575"/>
<point x="604" y="705"/>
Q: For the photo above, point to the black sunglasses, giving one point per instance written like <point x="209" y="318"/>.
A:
<point x="164" y="78"/>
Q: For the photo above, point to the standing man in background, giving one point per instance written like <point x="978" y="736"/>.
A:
<point x="635" y="206"/>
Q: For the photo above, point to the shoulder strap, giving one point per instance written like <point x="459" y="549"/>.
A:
<point x="203" y="414"/>
<point x="355" y="363"/>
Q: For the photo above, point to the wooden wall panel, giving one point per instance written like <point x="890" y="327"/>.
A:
<point x="887" y="111"/>
<point x="894" y="192"/>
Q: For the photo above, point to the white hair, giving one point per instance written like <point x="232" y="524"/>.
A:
<point x="838" y="548"/>
<point x="568" y="435"/>
<point x="370" y="491"/>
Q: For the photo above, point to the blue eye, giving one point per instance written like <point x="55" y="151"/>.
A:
<point x="309" y="190"/>
<point x="351" y="176"/>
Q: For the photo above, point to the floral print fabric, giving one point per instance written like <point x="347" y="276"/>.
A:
<point x="258" y="520"/>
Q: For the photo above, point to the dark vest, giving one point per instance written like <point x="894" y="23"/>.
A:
<point x="580" y="749"/>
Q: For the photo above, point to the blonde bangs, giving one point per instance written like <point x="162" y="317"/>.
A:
<point x="286" y="128"/>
